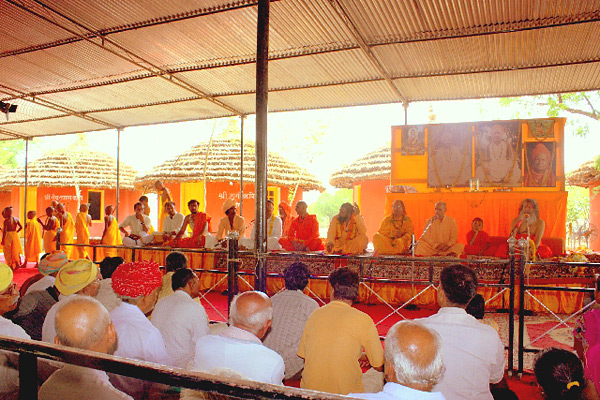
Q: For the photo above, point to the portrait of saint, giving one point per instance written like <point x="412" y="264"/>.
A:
<point x="540" y="129"/>
<point x="540" y="164"/>
<point x="449" y="160"/>
<point x="413" y="141"/>
<point x="498" y="153"/>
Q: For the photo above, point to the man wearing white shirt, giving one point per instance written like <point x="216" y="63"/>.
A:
<point x="473" y="352"/>
<point x="139" y="224"/>
<point x="173" y="221"/>
<point x="180" y="319"/>
<point x="239" y="347"/>
<point x="273" y="228"/>
<point x="137" y="284"/>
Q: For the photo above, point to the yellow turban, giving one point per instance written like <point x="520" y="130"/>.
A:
<point x="6" y="276"/>
<point x="75" y="275"/>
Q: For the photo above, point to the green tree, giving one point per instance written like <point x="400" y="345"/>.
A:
<point x="9" y="151"/>
<point x="328" y="205"/>
<point x="578" y="204"/>
<point x="586" y="104"/>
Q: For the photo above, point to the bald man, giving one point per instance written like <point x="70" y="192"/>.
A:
<point x="413" y="363"/>
<point x="82" y="322"/>
<point x="239" y="347"/>
<point x="441" y="237"/>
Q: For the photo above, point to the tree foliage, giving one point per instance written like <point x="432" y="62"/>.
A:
<point x="586" y="104"/>
<point x="9" y="151"/>
<point x="328" y="205"/>
<point x="578" y="204"/>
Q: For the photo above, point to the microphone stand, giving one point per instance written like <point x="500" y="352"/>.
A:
<point x="422" y="234"/>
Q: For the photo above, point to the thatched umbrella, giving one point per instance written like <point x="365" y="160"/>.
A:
<point x="586" y="174"/>
<point x="219" y="161"/>
<point x="373" y="166"/>
<point x="82" y="167"/>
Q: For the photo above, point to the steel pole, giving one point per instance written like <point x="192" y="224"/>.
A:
<point x="262" y="93"/>
<point x="118" y="179"/>
<point x="241" y="165"/>
<point x="25" y="197"/>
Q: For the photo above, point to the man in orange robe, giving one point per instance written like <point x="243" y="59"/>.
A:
<point x="33" y="238"/>
<point x="10" y="239"/>
<point x="303" y="234"/>
<point x="68" y="229"/>
<point x="200" y="224"/>
<point x="110" y="235"/>
<point x="83" y="221"/>
<point x="50" y="227"/>
<point x="347" y="233"/>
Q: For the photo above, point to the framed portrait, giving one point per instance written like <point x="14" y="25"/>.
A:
<point x="413" y="140"/>
<point x="540" y="164"/>
<point x="449" y="155"/>
<point x="540" y="129"/>
<point x="498" y="153"/>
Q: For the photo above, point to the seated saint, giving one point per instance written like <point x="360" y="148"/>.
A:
<point x="230" y="222"/>
<point x="273" y="228"/>
<point x="303" y="234"/>
<point x="347" y="233"/>
<point x="395" y="232"/>
<point x="441" y="237"/>
<point x="200" y="224"/>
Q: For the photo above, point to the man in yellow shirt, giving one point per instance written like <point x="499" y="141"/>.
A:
<point x="334" y="337"/>
<point x="395" y="233"/>
<point x="347" y="233"/>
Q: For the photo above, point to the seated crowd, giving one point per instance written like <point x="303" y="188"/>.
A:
<point x="333" y="348"/>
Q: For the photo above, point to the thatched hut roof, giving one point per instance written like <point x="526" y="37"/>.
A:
<point x="223" y="165"/>
<point x="584" y="175"/>
<point x="373" y="166"/>
<point x="89" y="168"/>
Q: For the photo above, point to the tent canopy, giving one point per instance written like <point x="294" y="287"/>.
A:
<point x="76" y="66"/>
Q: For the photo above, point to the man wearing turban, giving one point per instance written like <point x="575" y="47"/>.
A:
<point x="540" y="171"/>
<point x="230" y="222"/>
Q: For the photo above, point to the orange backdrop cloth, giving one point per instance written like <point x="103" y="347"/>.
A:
<point x="497" y="209"/>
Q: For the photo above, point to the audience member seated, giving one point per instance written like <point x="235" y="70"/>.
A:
<point x="559" y="373"/>
<point x="48" y="267"/>
<point x="347" y="233"/>
<point x="440" y="239"/>
<point x="9" y="372"/>
<point x="174" y="261"/>
<point x="180" y="319"/>
<point x="106" y="295"/>
<point x="272" y="228"/>
<point x="172" y="222"/>
<point x="199" y="223"/>
<point x="395" y="232"/>
<point x="75" y="277"/>
<point x="478" y="241"/>
<point x="230" y="222"/>
<point x="82" y="322"/>
<point x="413" y="364"/>
<point x="303" y="232"/>
<point x="291" y="309"/>
<point x="285" y="213"/>
<point x="239" y="347"/>
<point x="528" y="224"/>
<point x="137" y="284"/>
<point x="140" y="226"/>
<point x="334" y="338"/>
<point x="592" y="371"/>
<point x="473" y="352"/>
<point x="33" y="308"/>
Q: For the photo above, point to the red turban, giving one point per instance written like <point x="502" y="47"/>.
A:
<point x="540" y="148"/>
<point x="138" y="278"/>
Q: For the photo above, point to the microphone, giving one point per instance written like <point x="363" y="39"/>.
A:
<point x="517" y="226"/>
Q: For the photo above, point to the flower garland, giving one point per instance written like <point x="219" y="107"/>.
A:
<point x="349" y="229"/>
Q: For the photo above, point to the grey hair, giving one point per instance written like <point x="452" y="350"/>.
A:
<point x="254" y="321"/>
<point x="95" y="329"/>
<point x="405" y="370"/>
<point x="130" y="300"/>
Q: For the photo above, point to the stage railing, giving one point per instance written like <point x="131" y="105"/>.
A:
<point x="30" y="351"/>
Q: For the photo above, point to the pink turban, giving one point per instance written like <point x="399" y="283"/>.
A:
<point x="138" y="278"/>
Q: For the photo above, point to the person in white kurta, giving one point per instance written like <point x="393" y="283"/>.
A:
<point x="473" y="352"/>
<point x="139" y="226"/>
<point x="172" y="222"/>
<point x="273" y="229"/>
<point x="180" y="319"/>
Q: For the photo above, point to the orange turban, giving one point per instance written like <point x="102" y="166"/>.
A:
<point x="539" y="149"/>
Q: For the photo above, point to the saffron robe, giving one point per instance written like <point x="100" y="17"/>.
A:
<point x="83" y="234"/>
<point x="12" y="249"/>
<point x="67" y="235"/>
<point x="33" y="241"/>
<point x="112" y="238"/>
<point x="394" y="235"/>
<point x="440" y="232"/>
<point x="198" y="238"/>
<point x="304" y="230"/>
<point x="349" y="237"/>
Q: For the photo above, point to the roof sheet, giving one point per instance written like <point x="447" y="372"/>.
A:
<point x="75" y="65"/>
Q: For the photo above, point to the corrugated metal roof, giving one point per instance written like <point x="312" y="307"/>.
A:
<point x="75" y="65"/>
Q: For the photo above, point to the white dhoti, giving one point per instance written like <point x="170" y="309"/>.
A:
<point x="143" y="240"/>
<point x="272" y="243"/>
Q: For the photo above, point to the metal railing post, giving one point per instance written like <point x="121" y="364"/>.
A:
<point x="28" y="377"/>
<point x="521" y="311"/>
<point x="232" y="270"/>
<point x="511" y="316"/>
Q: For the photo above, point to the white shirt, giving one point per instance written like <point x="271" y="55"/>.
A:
<point x="173" y="224"/>
<point x="181" y="321"/>
<point x="9" y="374"/>
<point x="275" y="231"/>
<point x="473" y="354"/>
<point x="48" y="330"/>
<point x="75" y="382"/>
<point x="106" y="295"/>
<point x="43" y="284"/>
<point x="395" y="391"/>
<point x="135" y="225"/>
<point x="241" y="351"/>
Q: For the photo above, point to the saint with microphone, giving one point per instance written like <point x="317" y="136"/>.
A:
<point x="440" y="235"/>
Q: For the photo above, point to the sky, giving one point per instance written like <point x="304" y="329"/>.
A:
<point x="349" y="133"/>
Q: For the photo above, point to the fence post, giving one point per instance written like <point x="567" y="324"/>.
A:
<point x="511" y="316"/>
<point x="28" y="377"/>
<point x="232" y="269"/>
<point x="521" y="310"/>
